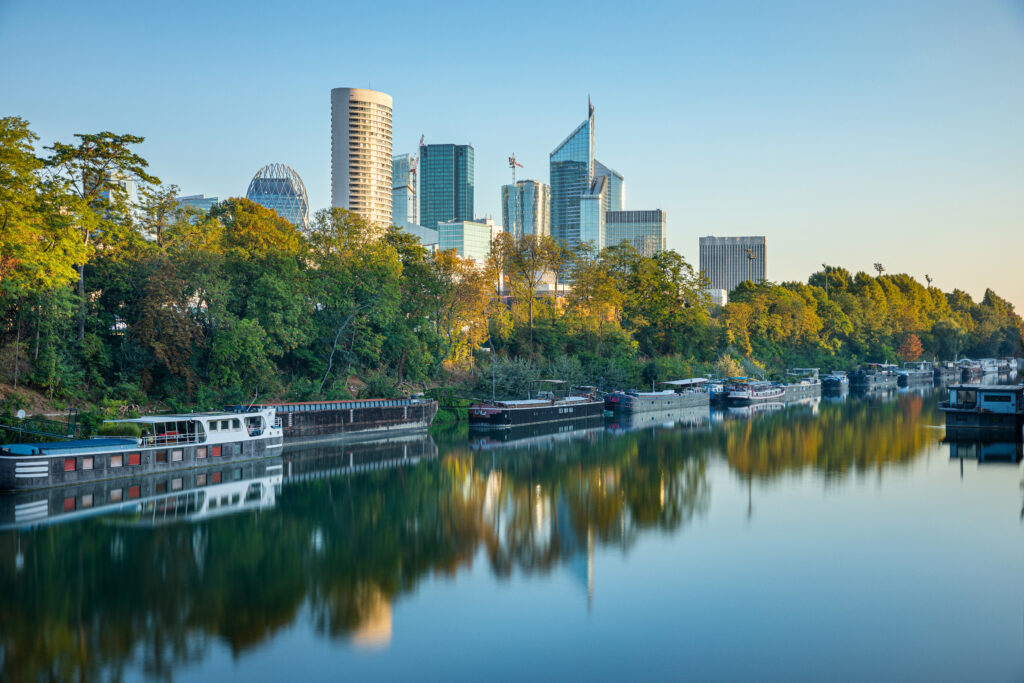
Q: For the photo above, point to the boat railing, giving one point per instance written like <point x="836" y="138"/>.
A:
<point x="169" y="439"/>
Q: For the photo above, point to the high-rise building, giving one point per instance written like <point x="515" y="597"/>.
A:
<point x="645" y="230"/>
<point x="361" y="179"/>
<point x="593" y="212"/>
<point x="526" y="208"/>
<point x="728" y="261"/>
<point x="469" y="239"/>
<point x="616" y="195"/>
<point x="278" y="187"/>
<point x="198" y="201"/>
<point x="403" y="190"/>
<point x="446" y="184"/>
<point x="572" y="171"/>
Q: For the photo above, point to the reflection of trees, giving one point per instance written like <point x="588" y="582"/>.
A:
<point x="93" y="598"/>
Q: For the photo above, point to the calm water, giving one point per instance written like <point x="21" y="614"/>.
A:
<point x="832" y="541"/>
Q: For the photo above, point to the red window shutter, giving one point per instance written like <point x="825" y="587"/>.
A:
<point x="133" y="491"/>
<point x="134" y="458"/>
<point x="216" y="451"/>
<point x="215" y="478"/>
<point x="69" y="464"/>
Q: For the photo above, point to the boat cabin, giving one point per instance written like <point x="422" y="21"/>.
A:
<point x="985" y="407"/>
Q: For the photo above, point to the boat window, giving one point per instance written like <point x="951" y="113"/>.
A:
<point x="996" y="398"/>
<point x="237" y="475"/>
<point x="161" y="487"/>
<point x="200" y="480"/>
<point x="216" y="451"/>
<point x="161" y="456"/>
<point x="87" y="500"/>
<point x="87" y="462"/>
<point x="116" y="460"/>
<point x="69" y="464"/>
<point x="116" y="495"/>
<point x="69" y="504"/>
<point x="215" y="478"/>
<point x="176" y="484"/>
<point x="176" y="455"/>
<point x="225" y="424"/>
<point x="134" y="458"/>
<point x="201" y="452"/>
<point x="213" y="425"/>
<point x="235" y="424"/>
<point x="134" y="491"/>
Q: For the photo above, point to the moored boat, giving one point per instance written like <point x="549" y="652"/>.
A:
<point x="946" y="371"/>
<point x="805" y="384"/>
<point x="974" y="408"/>
<point x="873" y="376"/>
<point x="835" y="381"/>
<point x="915" y="372"/>
<point x="748" y="393"/>
<point x="165" y="443"/>
<point x="970" y="370"/>
<point x="684" y="393"/>
<point x="546" y="407"/>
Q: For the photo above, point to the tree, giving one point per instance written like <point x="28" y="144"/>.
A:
<point x="911" y="348"/>
<point x="526" y="265"/>
<point x="92" y="171"/>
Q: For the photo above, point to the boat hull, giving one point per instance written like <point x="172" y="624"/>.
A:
<point x="484" y="417"/>
<point x="637" y="404"/>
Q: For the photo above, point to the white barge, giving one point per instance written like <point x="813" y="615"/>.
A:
<point x="166" y="443"/>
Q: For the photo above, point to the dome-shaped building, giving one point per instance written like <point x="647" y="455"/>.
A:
<point x="280" y="188"/>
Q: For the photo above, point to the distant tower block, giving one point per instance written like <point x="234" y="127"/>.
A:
<point x="728" y="261"/>
<point x="361" y="163"/>
<point x="278" y="187"/>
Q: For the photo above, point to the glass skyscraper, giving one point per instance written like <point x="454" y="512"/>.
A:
<point x="403" y="190"/>
<point x="615" y="199"/>
<point x="446" y="184"/>
<point x="526" y="208"/>
<point x="592" y="213"/>
<point x="469" y="239"/>
<point x="645" y="230"/>
<point x="278" y="187"/>
<point x="572" y="170"/>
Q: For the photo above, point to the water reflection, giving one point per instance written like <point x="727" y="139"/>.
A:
<point x="340" y="532"/>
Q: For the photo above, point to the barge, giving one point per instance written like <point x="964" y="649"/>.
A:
<point x="835" y="382"/>
<point x="807" y="384"/>
<point x="167" y="443"/>
<point x="915" y="372"/>
<point x="357" y="420"/>
<point x="946" y="372"/>
<point x="984" y="409"/>
<point x="545" y="408"/>
<point x="685" y="393"/>
<point x="748" y="393"/>
<point x="874" y="376"/>
<point x="970" y="370"/>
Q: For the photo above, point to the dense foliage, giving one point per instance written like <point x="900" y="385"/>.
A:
<point x="101" y="299"/>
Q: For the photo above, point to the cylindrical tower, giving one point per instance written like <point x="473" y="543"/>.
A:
<point x="361" y="153"/>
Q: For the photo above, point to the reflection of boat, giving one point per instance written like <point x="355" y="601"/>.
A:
<point x="756" y="409"/>
<point x="986" y="451"/>
<point x="539" y="434"/>
<point x="545" y="408"/>
<point x="747" y="393"/>
<point x="684" y="417"/>
<point x="151" y="499"/>
<point x="166" y="443"/>
<point x="836" y="381"/>
<point x="873" y="376"/>
<point x="325" y="459"/>
<point x="974" y="408"/>
<point x="915" y="372"/>
<point x="945" y="372"/>
<point x="970" y="370"/>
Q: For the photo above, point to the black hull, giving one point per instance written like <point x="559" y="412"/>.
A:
<point x="639" y="404"/>
<point x="506" y="418"/>
<point x="916" y="378"/>
<point x="873" y="382"/>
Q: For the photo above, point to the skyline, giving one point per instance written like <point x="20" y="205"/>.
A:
<point x="846" y="134"/>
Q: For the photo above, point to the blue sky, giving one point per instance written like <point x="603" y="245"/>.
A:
<point x="847" y="132"/>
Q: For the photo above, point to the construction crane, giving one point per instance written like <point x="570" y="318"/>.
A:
<point x="516" y="226"/>
<point x="512" y="163"/>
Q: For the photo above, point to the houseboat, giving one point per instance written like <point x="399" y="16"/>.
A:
<point x="977" y="408"/>
<point x="945" y="372"/>
<point x="748" y="393"/>
<point x="835" y="382"/>
<point x="684" y="393"/>
<point x="166" y="443"/>
<point x="805" y="383"/>
<point x="873" y="376"/>
<point x="970" y="370"/>
<point x="915" y="372"/>
<point x="546" y="407"/>
<point x="358" y="420"/>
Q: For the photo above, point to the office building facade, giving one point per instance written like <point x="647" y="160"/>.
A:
<point x="361" y="172"/>
<point x="645" y="230"/>
<point x="404" y="204"/>
<point x="572" y="171"/>
<point x="428" y="237"/>
<point x="615" y="196"/>
<point x="278" y="187"/>
<point x="447" y="183"/>
<point x="728" y="261"/>
<point x="593" y="213"/>
<point x="197" y="201"/>
<point x="526" y="208"/>
<point x="469" y="239"/>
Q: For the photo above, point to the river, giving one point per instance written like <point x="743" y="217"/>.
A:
<point x="833" y="540"/>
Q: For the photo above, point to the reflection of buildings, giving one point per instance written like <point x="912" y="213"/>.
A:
<point x="374" y="631"/>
